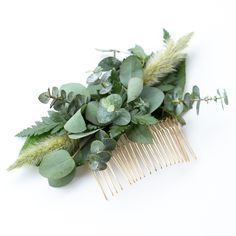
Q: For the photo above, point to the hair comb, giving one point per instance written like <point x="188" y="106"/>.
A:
<point x="125" y="125"/>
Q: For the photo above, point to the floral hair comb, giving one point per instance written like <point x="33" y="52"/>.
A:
<point x="124" y="125"/>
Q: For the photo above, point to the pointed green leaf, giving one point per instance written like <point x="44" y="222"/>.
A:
<point x="76" y="123"/>
<point x="153" y="96"/>
<point x="131" y="67"/>
<point x="82" y="135"/>
<point x="135" y="87"/>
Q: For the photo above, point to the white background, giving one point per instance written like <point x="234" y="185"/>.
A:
<point x="46" y="43"/>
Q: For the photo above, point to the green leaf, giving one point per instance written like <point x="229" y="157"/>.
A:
<point x="94" y="88"/>
<point x="135" y="87"/>
<point x="166" y="35"/>
<point x="101" y="135"/>
<point x="82" y="156"/>
<point x="76" y="88"/>
<point x="63" y="181"/>
<point x="131" y="67"/>
<point x="123" y="117"/>
<point x="82" y="135"/>
<point x="109" y="63"/>
<point x="115" y="130"/>
<point x="113" y="99"/>
<point x="96" y="165"/>
<point x="139" y="52"/>
<point x="226" y="100"/>
<point x="76" y="123"/>
<point x="56" y="165"/>
<point x="109" y="143"/>
<point x="165" y="87"/>
<point x="153" y="96"/>
<point x="140" y="134"/>
<point x="91" y="112"/>
<point x="196" y="92"/>
<point x="44" y="97"/>
<point x="179" y="109"/>
<point x="54" y="120"/>
<point x="104" y="156"/>
<point x="144" y="119"/>
<point x="97" y="146"/>
<point x="105" y="117"/>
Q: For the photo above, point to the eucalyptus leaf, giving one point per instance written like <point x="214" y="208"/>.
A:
<point x="104" y="116"/>
<point x="101" y="134"/>
<point x="91" y="112"/>
<point x="153" y="96"/>
<point x="179" y="109"/>
<point x="109" y="63"/>
<point x="123" y="117"/>
<point x="140" y="134"/>
<point x="109" y="143"/>
<point x="82" y="135"/>
<point x="76" y="123"/>
<point x="139" y="52"/>
<point x="104" y="156"/>
<point x="44" y="97"/>
<point x="56" y="165"/>
<point x="63" y="181"/>
<point x="135" y="87"/>
<point x="131" y="67"/>
<point x="97" y="146"/>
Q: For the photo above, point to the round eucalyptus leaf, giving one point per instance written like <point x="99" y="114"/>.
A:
<point x="123" y="117"/>
<point x="63" y="181"/>
<point x="106" y="89"/>
<point x="94" y="165"/>
<point x="44" y="97"/>
<point x="109" y="63"/>
<point x="187" y="100"/>
<point x="76" y="123"/>
<point x="179" y="108"/>
<point x="135" y="87"/>
<point x="97" y="146"/>
<point x="91" y="112"/>
<point x="196" y="92"/>
<point x="56" y="165"/>
<point x="109" y="143"/>
<point x="55" y="92"/>
<point x="177" y="93"/>
<point x="104" y="156"/>
<point x="63" y="94"/>
<point x="104" y="116"/>
<point x="101" y="135"/>
<point x="153" y="96"/>
<point x="114" y="99"/>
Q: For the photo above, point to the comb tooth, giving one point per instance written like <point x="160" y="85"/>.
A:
<point x="119" y="160"/>
<point x="186" y="141"/>
<point x="129" y="155"/>
<point x="156" y="155"/>
<point x="100" y="184"/>
<point x="110" y="180"/>
<point x="148" y="156"/>
<point x="141" y="173"/>
<point x="159" y="149"/>
<point x="128" y="165"/>
<point x="146" y="166"/>
<point x="169" y="140"/>
<point x="114" y="176"/>
<point x="143" y="151"/>
<point x="183" y="156"/>
<point x="106" y="181"/>
<point x="163" y="143"/>
<point x="171" y="151"/>
<point x="123" y="171"/>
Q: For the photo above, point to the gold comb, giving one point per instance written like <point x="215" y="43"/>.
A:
<point x="131" y="161"/>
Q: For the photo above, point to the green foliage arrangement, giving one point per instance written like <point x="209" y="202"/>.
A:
<point x="122" y="96"/>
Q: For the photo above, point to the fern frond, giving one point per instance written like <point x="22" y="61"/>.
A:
<point x="164" y="62"/>
<point x="36" y="147"/>
<point x="54" y="123"/>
